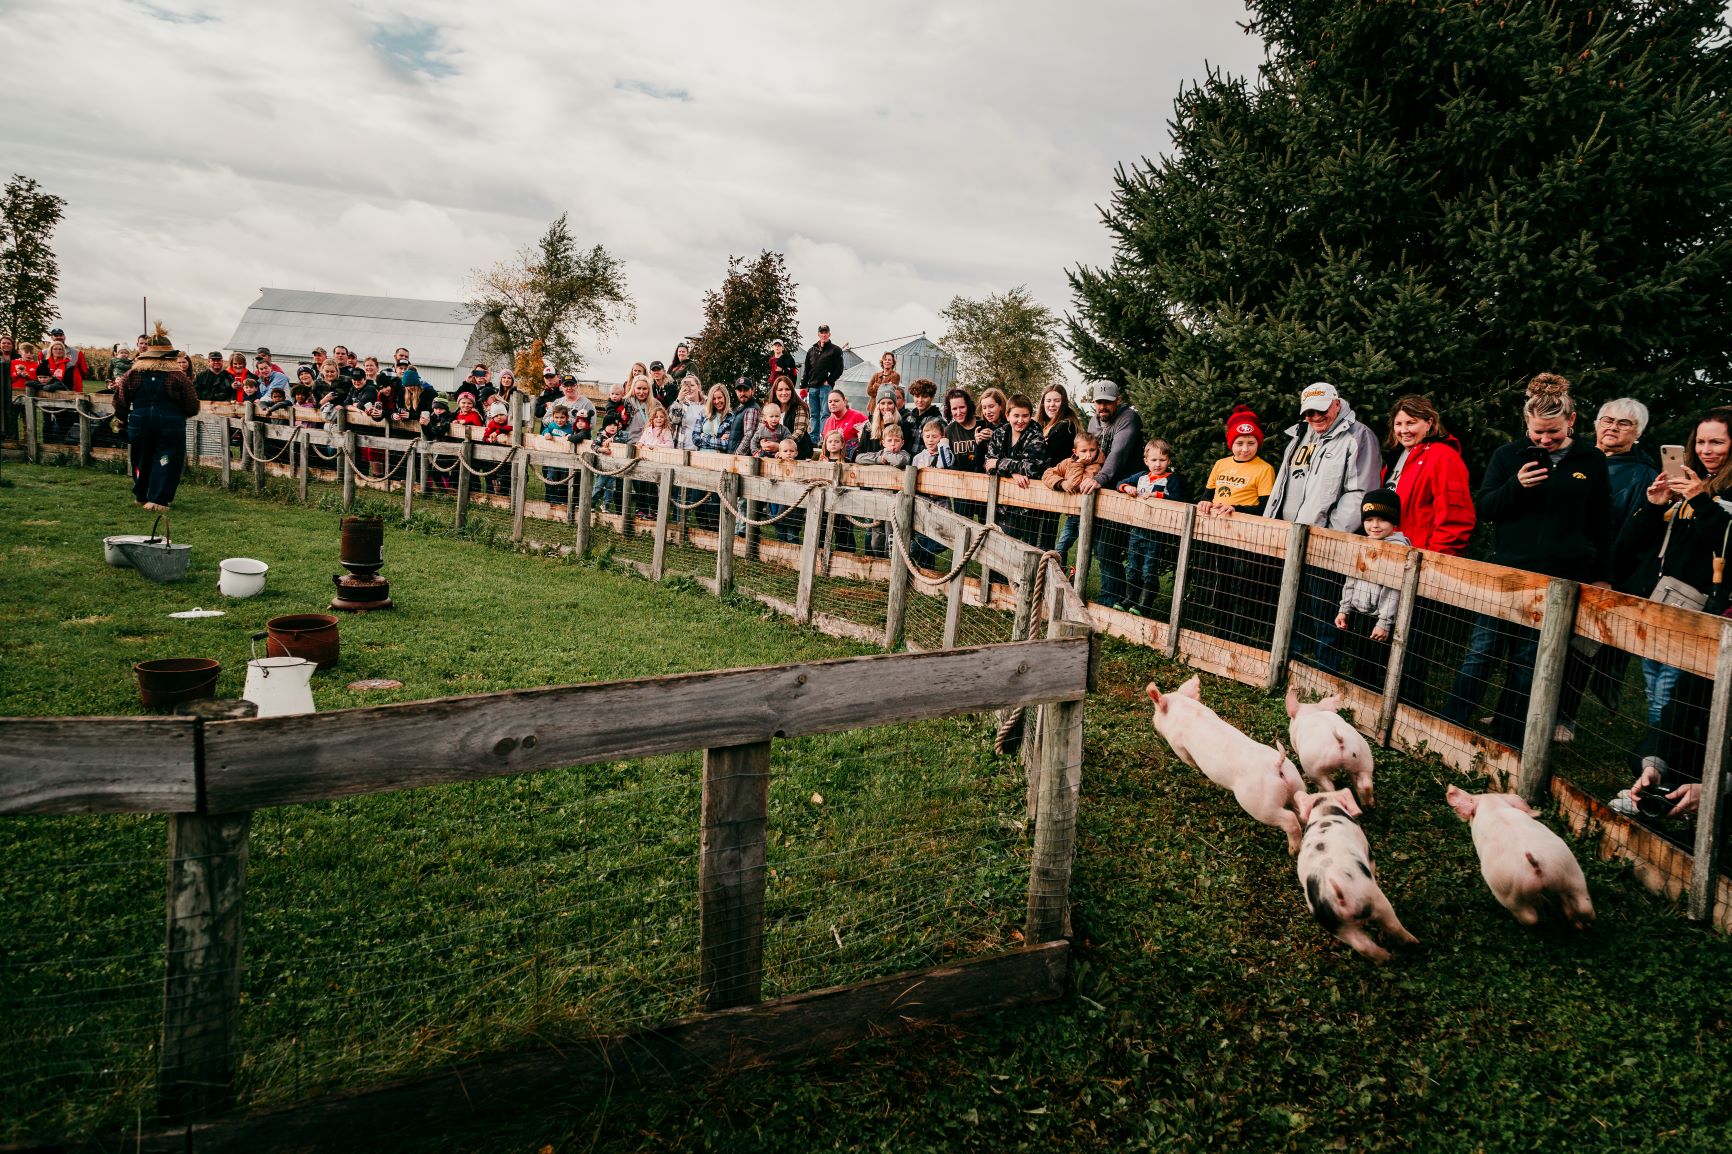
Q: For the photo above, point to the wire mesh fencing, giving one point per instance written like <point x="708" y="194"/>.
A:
<point x="81" y="972"/>
<point x="1233" y="581"/>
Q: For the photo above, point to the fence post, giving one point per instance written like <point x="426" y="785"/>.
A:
<point x="1287" y="603"/>
<point x="1398" y="647"/>
<point x="627" y="454"/>
<point x="1085" y="541"/>
<point x="201" y="989"/>
<point x="953" y="595"/>
<point x="572" y="480"/>
<point x="1704" y="877"/>
<point x="729" y="488"/>
<point x="254" y="435"/>
<point x="519" y="472"/>
<point x="984" y="589"/>
<point x="1181" y="578"/>
<point x="465" y="482"/>
<point x="753" y="509"/>
<point x="735" y="808"/>
<point x="1059" y="732"/>
<point x="303" y="463"/>
<point x="585" y="479"/>
<point x="85" y="431"/>
<point x="1556" y="628"/>
<point x="32" y="418"/>
<point x="226" y="464"/>
<point x="811" y="537"/>
<point x="1023" y="626"/>
<point x="411" y="461"/>
<point x="664" y="506"/>
<point x="896" y="611"/>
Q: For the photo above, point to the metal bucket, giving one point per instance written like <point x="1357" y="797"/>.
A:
<point x="114" y="554"/>
<point x="310" y="635"/>
<point x="158" y="558"/>
<point x="166" y="683"/>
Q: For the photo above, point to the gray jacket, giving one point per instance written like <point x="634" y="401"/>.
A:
<point x="1371" y="599"/>
<point x="1121" y="443"/>
<point x="1344" y="464"/>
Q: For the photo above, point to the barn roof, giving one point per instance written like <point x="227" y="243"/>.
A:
<point x="293" y="322"/>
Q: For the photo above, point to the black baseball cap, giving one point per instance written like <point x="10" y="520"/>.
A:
<point x="655" y="365"/>
<point x="744" y="383"/>
<point x="262" y="351"/>
<point x="478" y="369"/>
<point x="568" y="379"/>
<point x="56" y="332"/>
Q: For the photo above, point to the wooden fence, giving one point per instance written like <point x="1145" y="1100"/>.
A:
<point x="1561" y="612"/>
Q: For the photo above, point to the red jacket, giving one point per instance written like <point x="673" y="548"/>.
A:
<point x="1436" y="503"/>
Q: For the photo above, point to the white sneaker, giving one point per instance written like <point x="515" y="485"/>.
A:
<point x="1623" y="803"/>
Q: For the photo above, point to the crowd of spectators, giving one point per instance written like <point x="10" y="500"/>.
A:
<point x="1599" y="509"/>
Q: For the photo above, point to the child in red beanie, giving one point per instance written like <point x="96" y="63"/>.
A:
<point x="1241" y="481"/>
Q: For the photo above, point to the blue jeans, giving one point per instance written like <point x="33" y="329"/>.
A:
<point x="1067" y="534"/>
<point x="817" y="400"/>
<point x="157" y="434"/>
<point x="1492" y="640"/>
<point x="1143" y="566"/>
<point x="1659" y="680"/>
<point x="1110" y="553"/>
<point x="1314" y="629"/>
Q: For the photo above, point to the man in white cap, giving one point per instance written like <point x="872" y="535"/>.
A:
<point x="1331" y="462"/>
<point x="1119" y="429"/>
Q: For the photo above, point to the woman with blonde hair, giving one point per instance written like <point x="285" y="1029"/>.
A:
<point x="1550" y="497"/>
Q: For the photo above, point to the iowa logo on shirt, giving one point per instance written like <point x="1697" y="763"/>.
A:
<point x="1223" y="493"/>
<point x="1302" y="459"/>
<point x="1579" y="476"/>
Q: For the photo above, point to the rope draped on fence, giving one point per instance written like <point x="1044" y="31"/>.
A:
<point x="482" y="474"/>
<point x="956" y="568"/>
<point x="247" y="453"/>
<point x="759" y="523"/>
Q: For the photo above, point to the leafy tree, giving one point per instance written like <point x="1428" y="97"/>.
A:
<point x="1442" y="198"/>
<point x="29" y="271"/>
<point x="754" y="306"/>
<point x="1009" y="340"/>
<point x="548" y="296"/>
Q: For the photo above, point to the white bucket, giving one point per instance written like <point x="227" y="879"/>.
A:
<point x="280" y="686"/>
<point x="241" y="577"/>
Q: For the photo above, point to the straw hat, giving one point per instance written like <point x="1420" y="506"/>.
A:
<point x="159" y="352"/>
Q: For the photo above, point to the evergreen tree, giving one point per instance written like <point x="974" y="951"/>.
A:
<point x="754" y="306"/>
<point x="1007" y="339"/>
<point x="548" y="296"/>
<point x="1442" y="198"/>
<point x="29" y="271"/>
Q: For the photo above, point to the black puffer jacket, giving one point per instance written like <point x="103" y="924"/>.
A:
<point x="1561" y="527"/>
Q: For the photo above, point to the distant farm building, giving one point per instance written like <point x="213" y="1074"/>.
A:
<point x="914" y="359"/>
<point x="442" y="337"/>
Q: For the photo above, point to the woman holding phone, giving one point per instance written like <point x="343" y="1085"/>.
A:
<point x="1549" y="495"/>
<point x="1686" y="522"/>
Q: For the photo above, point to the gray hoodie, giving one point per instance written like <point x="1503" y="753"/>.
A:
<point x="1371" y="599"/>
<point x="1340" y="467"/>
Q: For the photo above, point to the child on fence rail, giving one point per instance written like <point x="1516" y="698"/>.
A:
<point x="1366" y="616"/>
<point x="558" y="425"/>
<point x="890" y="452"/>
<point x="783" y="468"/>
<point x="1149" y="554"/>
<point x="1065" y="476"/>
<point x="1223" y="579"/>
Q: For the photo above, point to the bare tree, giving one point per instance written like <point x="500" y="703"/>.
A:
<point x="549" y="297"/>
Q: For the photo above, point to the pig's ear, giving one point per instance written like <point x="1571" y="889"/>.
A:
<point x="1302" y="803"/>
<point x="1461" y="801"/>
<point x="1154" y="692"/>
<point x="1330" y="704"/>
<point x="1191" y="688"/>
<point x="1292" y="701"/>
<point x="1344" y="798"/>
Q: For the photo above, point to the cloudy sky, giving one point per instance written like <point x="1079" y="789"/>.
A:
<point x="897" y="152"/>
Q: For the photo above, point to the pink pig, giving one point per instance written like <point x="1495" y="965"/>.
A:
<point x="1261" y="778"/>
<point x="1326" y="744"/>
<point x="1336" y="872"/>
<point x="1528" y="867"/>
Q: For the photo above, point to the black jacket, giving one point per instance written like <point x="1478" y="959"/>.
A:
<point x="785" y="366"/>
<point x="214" y="385"/>
<point x="1561" y="527"/>
<point x="1027" y="457"/>
<point x="823" y="366"/>
<point x="1696" y="539"/>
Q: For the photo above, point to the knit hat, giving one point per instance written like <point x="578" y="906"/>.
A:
<point x="1243" y="422"/>
<point x="1382" y="503"/>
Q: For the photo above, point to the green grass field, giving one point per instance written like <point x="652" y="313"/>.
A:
<point x="1209" y="1012"/>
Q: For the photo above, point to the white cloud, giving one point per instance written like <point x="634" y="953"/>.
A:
<point x="898" y="152"/>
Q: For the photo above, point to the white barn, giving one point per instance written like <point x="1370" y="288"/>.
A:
<point x="442" y="337"/>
